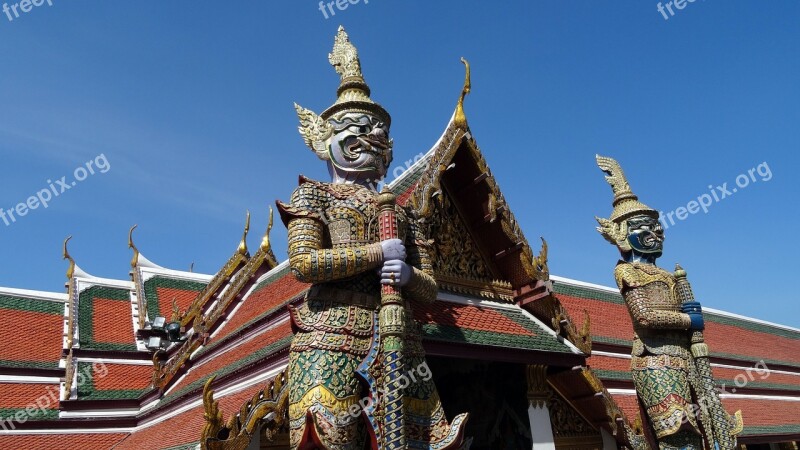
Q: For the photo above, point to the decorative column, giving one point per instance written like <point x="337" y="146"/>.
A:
<point x="538" y="413"/>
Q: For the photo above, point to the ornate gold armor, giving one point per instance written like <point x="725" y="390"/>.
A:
<point x="661" y="362"/>
<point x="669" y="362"/>
<point x="333" y="243"/>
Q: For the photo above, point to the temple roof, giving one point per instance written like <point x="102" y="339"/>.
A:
<point x="755" y="363"/>
<point x="89" y="347"/>
<point x="42" y="315"/>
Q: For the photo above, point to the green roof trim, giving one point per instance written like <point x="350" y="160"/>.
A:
<point x="411" y="178"/>
<point x="218" y="342"/>
<point x="255" y="356"/>
<point x="520" y="319"/>
<point x="585" y="292"/>
<point x="189" y="446"/>
<point x="616" y="375"/>
<point x="151" y="291"/>
<point x="8" y="420"/>
<point x="86" y="315"/>
<point x="29" y="364"/>
<point x="730" y="385"/>
<point x="615" y="298"/>
<point x="271" y="278"/>
<point x="114" y="394"/>
<point x="31" y="305"/>
<point x="770" y="429"/>
<point x="753" y="359"/>
<point x="751" y="326"/>
<point x="612" y="341"/>
<point x="87" y="390"/>
<point x="732" y="356"/>
<point x="457" y="335"/>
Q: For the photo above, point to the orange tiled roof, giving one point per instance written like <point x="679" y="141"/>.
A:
<point x="183" y="428"/>
<point x="84" y="441"/>
<point x="31" y="331"/>
<point x="105" y="319"/>
<point x="254" y="348"/>
<point x="160" y="291"/>
<point x="611" y="323"/>
<point x="112" y="381"/>
<point x="275" y="291"/>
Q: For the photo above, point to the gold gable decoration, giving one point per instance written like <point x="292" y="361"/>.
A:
<point x="204" y="321"/>
<point x="456" y="253"/>
<point x="457" y="261"/>
<point x="266" y="413"/>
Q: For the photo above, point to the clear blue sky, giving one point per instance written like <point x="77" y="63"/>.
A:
<point x="191" y="104"/>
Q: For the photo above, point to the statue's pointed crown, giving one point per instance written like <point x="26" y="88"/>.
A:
<point x="353" y="93"/>
<point x="626" y="203"/>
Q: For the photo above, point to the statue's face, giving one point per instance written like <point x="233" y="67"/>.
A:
<point x="360" y="144"/>
<point x="646" y="235"/>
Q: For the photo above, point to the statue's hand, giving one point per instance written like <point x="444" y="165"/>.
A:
<point x="393" y="249"/>
<point x="698" y="324"/>
<point x="695" y="312"/>
<point x="692" y="307"/>
<point x="395" y="273"/>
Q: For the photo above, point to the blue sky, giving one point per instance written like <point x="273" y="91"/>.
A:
<point x="190" y="102"/>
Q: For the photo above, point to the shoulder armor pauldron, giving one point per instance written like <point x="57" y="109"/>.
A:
<point x="638" y="275"/>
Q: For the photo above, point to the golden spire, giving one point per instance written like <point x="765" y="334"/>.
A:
<point x="131" y="245"/>
<point x="626" y="203"/>
<point x="461" y="118"/>
<point x="71" y="268"/>
<point x="243" y="244"/>
<point x="353" y="93"/>
<point x="352" y="96"/>
<point x="344" y="57"/>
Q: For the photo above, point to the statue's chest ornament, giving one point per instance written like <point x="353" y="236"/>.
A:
<point x="353" y="221"/>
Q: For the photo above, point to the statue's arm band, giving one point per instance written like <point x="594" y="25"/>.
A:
<point x="648" y="317"/>
<point x="313" y="264"/>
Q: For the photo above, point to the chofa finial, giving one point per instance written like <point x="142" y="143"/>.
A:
<point x="71" y="268"/>
<point x="131" y="245"/>
<point x="265" y="244"/>
<point x="243" y="243"/>
<point x="461" y="118"/>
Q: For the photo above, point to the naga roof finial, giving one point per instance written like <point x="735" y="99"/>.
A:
<point x="266" y="246"/>
<point x="243" y="243"/>
<point x="71" y="268"/>
<point x="131" y="245"/>
<point x="461" y="118"/>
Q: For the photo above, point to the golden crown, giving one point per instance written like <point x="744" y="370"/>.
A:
<point x="353" y="96"/>
<point x="626" y="203"/>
